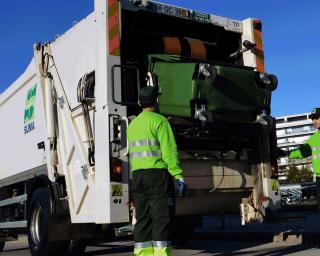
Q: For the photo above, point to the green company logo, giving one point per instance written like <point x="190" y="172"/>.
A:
<point x="29" y="109"/>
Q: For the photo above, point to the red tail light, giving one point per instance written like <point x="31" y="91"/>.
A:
<point x="116" y="170"/>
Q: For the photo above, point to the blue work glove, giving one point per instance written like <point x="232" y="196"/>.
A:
<point x="181" y="187"/>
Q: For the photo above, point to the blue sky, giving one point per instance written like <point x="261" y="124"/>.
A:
<point x="291" y="31"/>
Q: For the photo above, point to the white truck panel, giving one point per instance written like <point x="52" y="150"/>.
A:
<point x="19" y="136"/>
<point x="81" y="50"/>
<point x="111" y="208"/>
<point x="249" y="59"/>
<point x="74" y="55"/>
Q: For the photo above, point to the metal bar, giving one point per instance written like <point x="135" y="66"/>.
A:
<point x="14" y="224"/>
<point x="23" y="176"/>
<point x="14" y="200"/>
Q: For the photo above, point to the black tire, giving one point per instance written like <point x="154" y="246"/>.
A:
<point x="39" y="221"/>
<point x="77" y="248"/>
<point x="2" y="246"/>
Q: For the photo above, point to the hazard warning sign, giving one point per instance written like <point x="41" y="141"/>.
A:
<point x="117" y="190"/>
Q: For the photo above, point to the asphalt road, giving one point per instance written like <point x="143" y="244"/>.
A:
<point x="195" y="247"/>
<point x="295" y="234"/>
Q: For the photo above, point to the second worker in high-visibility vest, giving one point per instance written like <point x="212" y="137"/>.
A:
<point x="312" y="148"/>
<point x="154" y="162"/>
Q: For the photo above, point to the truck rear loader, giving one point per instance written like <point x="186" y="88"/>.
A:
<point x="64" y="169"/>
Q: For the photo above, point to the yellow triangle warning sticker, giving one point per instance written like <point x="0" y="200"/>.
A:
<point x="117" y="190"/>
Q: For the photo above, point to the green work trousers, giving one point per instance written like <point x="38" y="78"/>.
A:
<point x="154" y="196"/>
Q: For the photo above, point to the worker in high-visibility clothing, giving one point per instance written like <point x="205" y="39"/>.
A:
<point x="154" y="162"/>
<point x="312" y="148"/>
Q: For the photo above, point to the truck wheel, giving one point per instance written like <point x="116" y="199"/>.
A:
<point x="2" y="246"/>
<point x="39" y="220"/>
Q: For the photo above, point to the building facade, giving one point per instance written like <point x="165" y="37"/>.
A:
<point x="292" y="131"/>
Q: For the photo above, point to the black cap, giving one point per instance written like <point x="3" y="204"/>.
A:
<point x="148" y="96"/>
<point x="315" y="113"/>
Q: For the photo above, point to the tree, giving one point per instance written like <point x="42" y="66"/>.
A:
<point x="299" y="174"/>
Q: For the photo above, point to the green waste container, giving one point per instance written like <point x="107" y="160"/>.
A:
<point x="234" y="95"/>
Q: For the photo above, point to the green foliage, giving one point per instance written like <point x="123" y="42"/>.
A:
<point x="299" y="174"/>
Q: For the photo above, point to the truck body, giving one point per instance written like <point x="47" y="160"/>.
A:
<point x="64" y="168"/>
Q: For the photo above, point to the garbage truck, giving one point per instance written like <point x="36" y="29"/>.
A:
<point x="64" y="167"/>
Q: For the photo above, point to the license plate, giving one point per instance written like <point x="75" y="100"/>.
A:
<point x="168" y="9"/>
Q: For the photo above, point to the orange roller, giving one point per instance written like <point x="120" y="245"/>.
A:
<point x="198" y="50"/>
<point x="172" y="45"/>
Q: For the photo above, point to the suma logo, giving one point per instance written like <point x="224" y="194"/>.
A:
<point x="29" y="110"/>
<point x="29" y="127"/>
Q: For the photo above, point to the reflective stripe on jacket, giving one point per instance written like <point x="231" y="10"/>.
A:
<point x="152" y="144"/>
